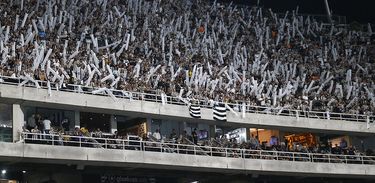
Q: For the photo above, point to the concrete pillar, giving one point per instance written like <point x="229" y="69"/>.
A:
<point x="113" y="124"/>
<point x="248" y="134"/>
<point x="77" y="119"/>
<point x="18" y="121"/>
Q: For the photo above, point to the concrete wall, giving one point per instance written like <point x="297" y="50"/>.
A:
<point x="93" y="103"/>
<point x="60" y="177"/>
<point x="139" y="159"/>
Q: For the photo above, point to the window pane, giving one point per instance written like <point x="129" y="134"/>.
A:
<point x="5" y="123"/>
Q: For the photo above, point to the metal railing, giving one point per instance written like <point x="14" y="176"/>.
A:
<point x="175" y="148"/>
<point x="155" y="96"/>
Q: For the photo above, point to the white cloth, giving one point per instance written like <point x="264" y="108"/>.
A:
<point x="156" y="135"/>
<point x="47" y="124"/>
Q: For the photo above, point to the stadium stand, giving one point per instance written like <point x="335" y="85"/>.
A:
<point x="211" y="52"/>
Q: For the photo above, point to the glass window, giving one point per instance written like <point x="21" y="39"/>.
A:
<point x="5" y="123"/>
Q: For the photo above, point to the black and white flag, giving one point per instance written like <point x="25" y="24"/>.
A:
<point x="195" y="111"/>
<point x="220" y="113"/>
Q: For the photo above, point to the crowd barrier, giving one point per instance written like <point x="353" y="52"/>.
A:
<point x="139" y="145"/>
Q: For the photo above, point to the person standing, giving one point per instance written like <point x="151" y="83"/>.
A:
<point x="47" y="125"/>
<point x="254" y="143"/>
<point x="39" y="122"/>
<point x="65" y="124"/>
<point x="343" y="143"/>
<point x="173" y="135"/>
<point x="31" y="123"/>
<point x="157" y="135"/>
<point x="195" y="136"/>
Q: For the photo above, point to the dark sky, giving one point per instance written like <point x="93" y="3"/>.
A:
<point x="355" y="10"/>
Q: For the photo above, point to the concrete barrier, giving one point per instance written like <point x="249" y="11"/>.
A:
<point x="104" y="104"/>
<point x="140" y="159"/>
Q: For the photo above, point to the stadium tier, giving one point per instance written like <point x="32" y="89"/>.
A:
<point x="206" y="52"/>
<point x="152" y="89"/>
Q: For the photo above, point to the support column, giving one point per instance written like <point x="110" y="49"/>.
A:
<point x="18" y="121"/>
<point x="113" y="124"/>
<point x="248" y="134"/>
<point x="77" y="119"/>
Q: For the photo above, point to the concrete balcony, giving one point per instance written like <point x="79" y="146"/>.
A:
<point x="87" y="151"/>
<point x="143" y="107"/>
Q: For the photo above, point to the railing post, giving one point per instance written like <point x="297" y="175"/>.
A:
<point x="161" y="147"/>
<point x="53" y="139"/>
<point x="123" y="144"/>
<point x="277" y="157"/>
<point x="178" y="151"/>
<point x="195" y="152"/>
<point x="346" y="159"/>
<point x="293" y="156"/>
<point x="329" y="158"/>
<point x="23" y="137"/>
<point x="80" y="142"/>
<point x="211" y="150"/>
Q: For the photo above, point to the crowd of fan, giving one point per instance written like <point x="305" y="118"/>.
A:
<point x="192" y="49"/>
<point x="272" y="145"/>
<point x="45" y="132"/>
<point x="42" y="130"/>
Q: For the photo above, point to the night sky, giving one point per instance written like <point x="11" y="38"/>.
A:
<point x="362" y="11"/>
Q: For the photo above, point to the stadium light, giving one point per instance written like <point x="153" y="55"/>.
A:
<point x="23" y="171"/>
<point x="3" y="171"/>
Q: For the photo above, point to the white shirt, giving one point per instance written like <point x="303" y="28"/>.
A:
<point x="156" y="135"/>
<point x="47" y="124"/>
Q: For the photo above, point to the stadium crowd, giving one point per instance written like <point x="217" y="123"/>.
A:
<point x="191" y="144"/>
<point x="40" y="129"/>
<point x="192" y="49"/>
